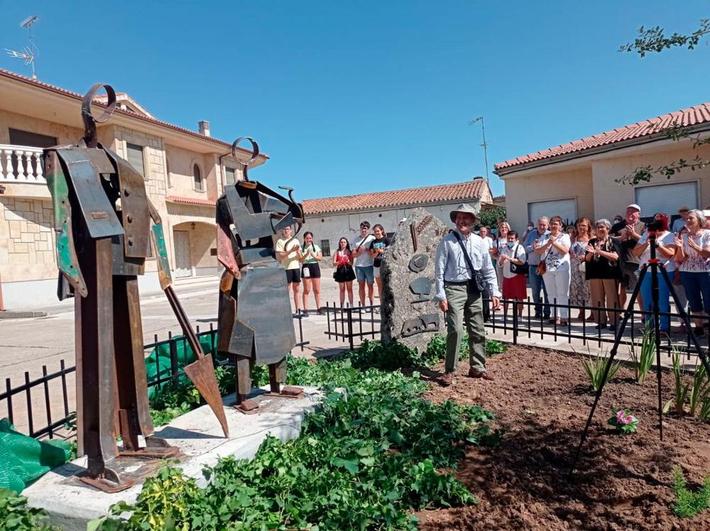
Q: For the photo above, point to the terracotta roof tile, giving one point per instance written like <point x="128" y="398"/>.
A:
<point x="139" y="116"/>
<point x="699" y="114"/>
<point x="468" y="190"/>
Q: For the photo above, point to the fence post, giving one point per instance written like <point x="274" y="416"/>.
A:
<point x="172" y="346"/>
<point x="515" y="321"/>
<point x="350" y="326"/>
<point x="47" y="404"/>
<point x="8" y="387"/>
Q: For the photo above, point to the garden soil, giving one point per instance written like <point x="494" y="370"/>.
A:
<point x="541" y="400"/>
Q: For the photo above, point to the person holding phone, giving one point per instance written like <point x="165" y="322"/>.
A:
<point x="310" y="271"/>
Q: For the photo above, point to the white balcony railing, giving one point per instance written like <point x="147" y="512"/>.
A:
<point x="21" y="164"/>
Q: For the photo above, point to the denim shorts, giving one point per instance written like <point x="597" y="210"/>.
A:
<point x="365" y="274"/>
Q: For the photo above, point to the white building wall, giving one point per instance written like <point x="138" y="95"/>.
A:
<point x="332" y="227"/>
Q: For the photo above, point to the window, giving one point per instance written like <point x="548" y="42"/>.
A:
<point x="134" y="155"/>
<point x="565" y="208"/>
<point x="325" y="247"/>
<point x="197" y="178"/>
<point x="230" y="175"/>
<point x="666" y="198"/>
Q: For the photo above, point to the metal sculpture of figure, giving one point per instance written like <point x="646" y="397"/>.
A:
<point x="255" y="321"/>
<point x="102" y="219"/>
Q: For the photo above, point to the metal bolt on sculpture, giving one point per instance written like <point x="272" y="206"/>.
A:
<point x="102" y="219"/>
<point x="255" y="322"/>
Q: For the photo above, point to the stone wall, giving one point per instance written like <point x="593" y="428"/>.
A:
<point x="26" y="239"/>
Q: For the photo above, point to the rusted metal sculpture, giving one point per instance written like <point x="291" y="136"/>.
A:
<point x="102" y="219"/>
<point x="255" y="321"/>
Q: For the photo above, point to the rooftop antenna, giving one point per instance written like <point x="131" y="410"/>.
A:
<point x="30" y="53"/>
<point x="484" y="145"/>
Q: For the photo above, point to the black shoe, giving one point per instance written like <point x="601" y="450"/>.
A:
<point x="321" y="311"/>
<point x="305" y="313"/>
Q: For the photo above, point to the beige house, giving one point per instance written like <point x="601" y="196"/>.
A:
<point x="181" y="167"/>
<point x="579" y="178"/>
<point x="331" y="218"/>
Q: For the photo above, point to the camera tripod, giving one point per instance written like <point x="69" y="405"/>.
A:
<point x="655" y="266"/>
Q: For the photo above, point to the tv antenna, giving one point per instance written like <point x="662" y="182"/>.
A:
<point x="29" y="53"/>
<point x="484" y="145"/>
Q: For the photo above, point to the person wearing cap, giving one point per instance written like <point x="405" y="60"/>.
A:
<point x="364" y="263"/>
<point x="626" y="234"/>
<point x="679" y="223"/>
<point x="458" y="291"/>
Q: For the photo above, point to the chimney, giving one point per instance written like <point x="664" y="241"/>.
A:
<point x="204" y="127"/>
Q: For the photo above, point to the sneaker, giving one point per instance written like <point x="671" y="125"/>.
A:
<point x="304" y="313"/>
<point x="611" y="328"/>
<point x="321" y="311"/>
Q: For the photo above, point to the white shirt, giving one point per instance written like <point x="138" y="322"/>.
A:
<point x="489" y="241"/>
<point x="451" y="265"/>
<point x="554" y="259"/>
<point x="364" y="259"/>
<point x="517" y="252"/>
<point x="694" y="262"/>
<point x="663" y="238"/>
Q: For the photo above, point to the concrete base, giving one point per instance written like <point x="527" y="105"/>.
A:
<point x="71" y="504"/>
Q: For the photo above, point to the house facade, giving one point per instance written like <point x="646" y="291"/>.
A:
<point x="183" y="172"/>
<point x="332" y="218"/>
<point x="582" y="178"/>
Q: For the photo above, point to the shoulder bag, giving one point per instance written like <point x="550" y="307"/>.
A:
<point x="476" y="283"/>
<point x="521" y="269"/>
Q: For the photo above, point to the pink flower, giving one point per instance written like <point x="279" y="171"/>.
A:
<point x="620" y="416"/>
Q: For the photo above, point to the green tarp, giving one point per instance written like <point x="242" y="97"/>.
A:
<point x="24" y="459"/>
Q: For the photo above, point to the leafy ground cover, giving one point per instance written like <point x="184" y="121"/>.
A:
<point x="372" y="453"/>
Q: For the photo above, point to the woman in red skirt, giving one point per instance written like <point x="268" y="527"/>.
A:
<point x="512" y="259"/>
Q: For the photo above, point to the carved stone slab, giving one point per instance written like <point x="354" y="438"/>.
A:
<point x="409" y="314"/>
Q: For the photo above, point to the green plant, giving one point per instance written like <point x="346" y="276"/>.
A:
<point x="369" y="455"/>
<point x="687" y="502"/>
<point x="699" y="390"/>
<point x="16" y="515"/>
<point x="595" y="366"/>
<point x="644" y="360"/>
<point x="493" y="347"/>
<point x="680" y="389"/>
<point x="624" y="422"/>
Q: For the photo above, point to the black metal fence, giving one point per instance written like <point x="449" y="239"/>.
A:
<point x="53" y="412"/>
<point x="516" y="319"/>
<point x="351" y="324"/>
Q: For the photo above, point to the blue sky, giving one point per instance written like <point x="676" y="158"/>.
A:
<point x="360" y="96"/>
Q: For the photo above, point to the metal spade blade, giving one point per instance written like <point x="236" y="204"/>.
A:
<point x="200" y="371"/>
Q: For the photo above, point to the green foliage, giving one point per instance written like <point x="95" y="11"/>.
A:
<point x="695" y="393"/>
<point x="699" y="390"/>
<point x="16" y="515"/>
<point x="370" y="454"/>
<point x="594" y="367"/>
<point x="643" y="361"/>
<point x="654" y="40"/>
<point x="494" y="347"/>
<point x="490" y="216"/>
<point x="688" y="503"/>
<point x="680" y="389"/>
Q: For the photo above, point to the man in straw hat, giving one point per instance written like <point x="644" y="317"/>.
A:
<point x="459" y="291"/>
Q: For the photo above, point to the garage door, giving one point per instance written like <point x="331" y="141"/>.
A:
<point x="666" y="198"/>
<point x="565" y="208"/>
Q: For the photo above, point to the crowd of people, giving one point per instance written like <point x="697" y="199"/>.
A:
<point x="359" y="260"/>
<point x="596" y="264"/>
